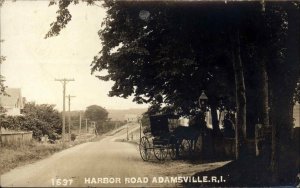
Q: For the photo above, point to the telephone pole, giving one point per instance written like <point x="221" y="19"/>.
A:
<point x="79" y="123"/>
<point x="1" y="60"/>
<point x="64" y="81"/>
<point x="69" y="128"/>
<point x="86" y="129"/>
<point x="0" y="45"/>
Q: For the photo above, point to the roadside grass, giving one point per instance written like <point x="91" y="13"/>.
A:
<point x="13" y="156"/>
<point x="134" y="137"/>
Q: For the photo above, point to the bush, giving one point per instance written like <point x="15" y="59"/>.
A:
<point x="41" y="119"/>
<point x="73" y="136"/>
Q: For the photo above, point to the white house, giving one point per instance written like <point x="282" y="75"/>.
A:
<point x="13" y="103"/>
<point x="131" y="117"/>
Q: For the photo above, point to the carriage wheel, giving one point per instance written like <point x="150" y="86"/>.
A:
<point x="160" y="152"/>
<point x="145" y="148"/>
<point x="172" y="148"/>
<point x="172" y="151"/>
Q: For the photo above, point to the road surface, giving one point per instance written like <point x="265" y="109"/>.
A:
<point x="104" y="163"/>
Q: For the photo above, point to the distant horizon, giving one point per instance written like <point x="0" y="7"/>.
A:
<point x="130" y="108"/>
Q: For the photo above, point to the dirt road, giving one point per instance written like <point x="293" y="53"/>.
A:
<point x="104" y="163"/>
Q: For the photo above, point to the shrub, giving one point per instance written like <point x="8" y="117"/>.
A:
<point x="73" y="136"/>
<point x="41" y="119"/>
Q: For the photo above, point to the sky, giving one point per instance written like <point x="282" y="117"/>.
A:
<point x="33" y="63"/>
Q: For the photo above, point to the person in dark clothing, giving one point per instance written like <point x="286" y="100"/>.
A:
<point x="228" y="130"/>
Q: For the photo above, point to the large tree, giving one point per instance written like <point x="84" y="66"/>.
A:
<point x="97" y="114"/>
<point x="283" y="87"/>
<point x="167" y="52"/>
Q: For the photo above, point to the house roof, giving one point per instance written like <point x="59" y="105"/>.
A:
<point x="13" y="100"/>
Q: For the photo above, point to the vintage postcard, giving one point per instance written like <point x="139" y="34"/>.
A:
<point x="117" y="93"/>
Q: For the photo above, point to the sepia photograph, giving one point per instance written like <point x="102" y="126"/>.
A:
<point x="149" y="93"/>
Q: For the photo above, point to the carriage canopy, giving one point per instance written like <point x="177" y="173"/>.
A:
<point x="161" y="124"/>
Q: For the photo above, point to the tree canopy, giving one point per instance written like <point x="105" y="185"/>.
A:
<point x="245" y="54"/>
<point x="96" y="113"/>
<point x="168" y="52"/>
<point x="139" y="52"/>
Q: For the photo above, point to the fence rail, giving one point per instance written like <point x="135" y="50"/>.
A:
<point x="15" y="138"/>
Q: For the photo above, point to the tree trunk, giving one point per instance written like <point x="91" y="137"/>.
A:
<point x="281" y="129"/>
<point x="285" y="77"/>
<point x="240" y="128"/>
<point x="265" y="150"/>
<point x="264" y="91"/>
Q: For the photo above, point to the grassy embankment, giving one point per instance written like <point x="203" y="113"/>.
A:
<point x="14" y="156"/>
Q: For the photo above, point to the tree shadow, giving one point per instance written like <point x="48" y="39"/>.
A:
<point x="250" y="171"/>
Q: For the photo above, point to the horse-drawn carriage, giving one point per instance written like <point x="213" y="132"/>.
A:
<point x="167" y="137"/>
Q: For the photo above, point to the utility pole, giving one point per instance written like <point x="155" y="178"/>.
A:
<point x="127" y="129"/>
<point x="64" y="81"/>
<point x="86" y="126"/>
<point x="140" y="122"/>
<point x="0" y="72"/>
<point x="69" y="99"/>
<point x="1" y="60"/>
<point x="0" y="46"/>
<point x="79" y="123"/>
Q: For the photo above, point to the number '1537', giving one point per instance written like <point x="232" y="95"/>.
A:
<point x="61" y="182"/>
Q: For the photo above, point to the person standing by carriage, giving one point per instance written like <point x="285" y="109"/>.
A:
<point x="228" y="127"/>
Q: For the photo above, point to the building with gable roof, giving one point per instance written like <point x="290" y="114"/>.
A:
<point x="13" y="103"/>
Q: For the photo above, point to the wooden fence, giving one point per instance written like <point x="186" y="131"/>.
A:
<point x="15" y="138"/>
